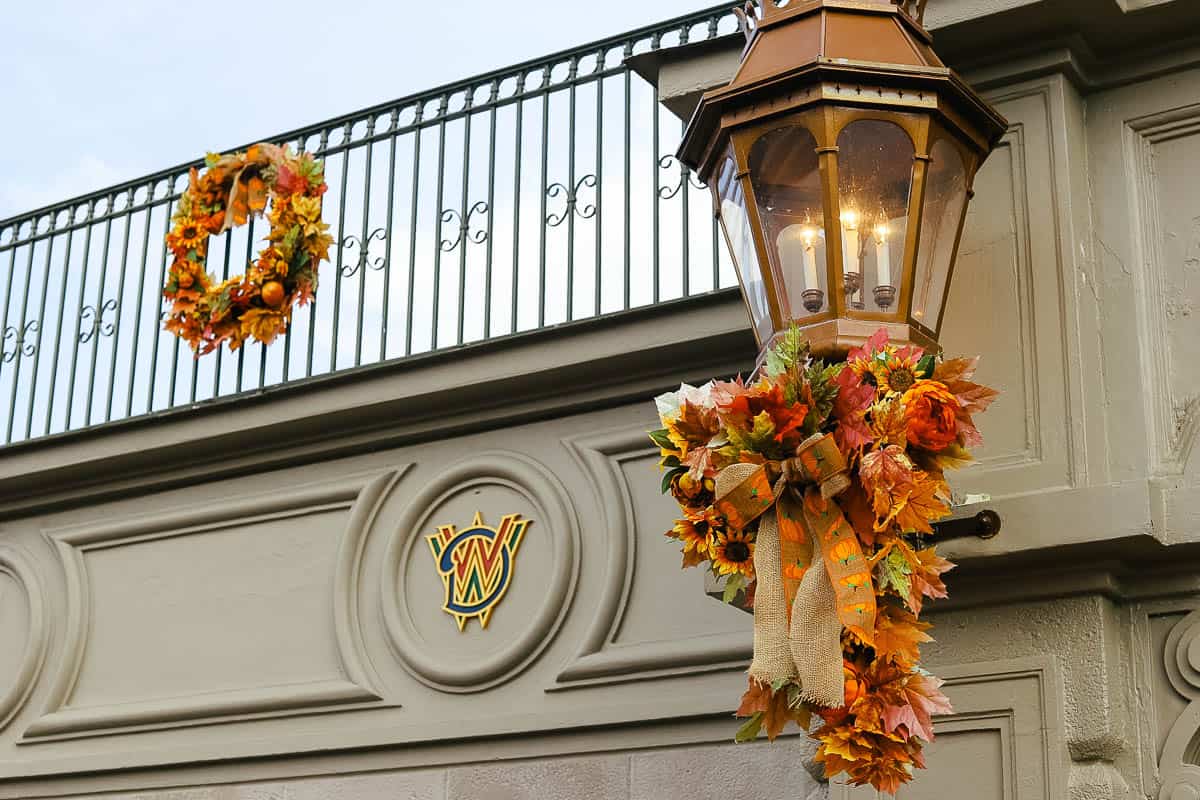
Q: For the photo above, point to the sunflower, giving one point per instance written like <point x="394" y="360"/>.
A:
<point x="732" y="552"/>
<point x="188" y="235"/>
<point x="895" y="370"/>
<point x="693" y="534"/>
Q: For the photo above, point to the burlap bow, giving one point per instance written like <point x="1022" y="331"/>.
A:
<point x="819" y="598"/>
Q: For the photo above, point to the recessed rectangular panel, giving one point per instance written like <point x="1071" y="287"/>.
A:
<point x="248" y="605"/>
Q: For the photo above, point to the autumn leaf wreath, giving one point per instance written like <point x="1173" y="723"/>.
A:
<point x="258" y="304"/>
<point x="809" y="489"/>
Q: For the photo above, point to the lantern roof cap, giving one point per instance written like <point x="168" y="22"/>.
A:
<point x="805" y="41"/>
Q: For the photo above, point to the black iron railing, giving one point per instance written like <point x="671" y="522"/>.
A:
<point x="532" y="196"/>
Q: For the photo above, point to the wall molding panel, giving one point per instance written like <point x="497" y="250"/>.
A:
<point x="600" y="659"/>
<point x="354" y="500"/>
<point x="33" y="651"/>
<point x="1174" y="421"/>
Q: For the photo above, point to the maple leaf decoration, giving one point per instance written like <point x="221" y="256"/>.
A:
<point x="745" y="410"/>
<point x="899" y="634"/>
<point x="926" y="580"/>
<point x="850" y="409"/>
<point x="926" y="503"/>
<point x="770" y="709"/>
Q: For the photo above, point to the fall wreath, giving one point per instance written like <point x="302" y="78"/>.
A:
<point x="259" y="303"/>
<point x="809" y="490"/>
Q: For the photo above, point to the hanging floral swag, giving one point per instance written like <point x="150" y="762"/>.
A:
<point x="259" y="304"/>
<point x="809" y="490"/>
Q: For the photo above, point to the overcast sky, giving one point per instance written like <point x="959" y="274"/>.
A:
<point x="100" y="91"/>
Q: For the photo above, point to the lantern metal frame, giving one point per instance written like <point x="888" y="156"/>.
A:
<point x="822" y="65"/>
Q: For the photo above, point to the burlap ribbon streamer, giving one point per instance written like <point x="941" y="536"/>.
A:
<point x="800" y="607"/>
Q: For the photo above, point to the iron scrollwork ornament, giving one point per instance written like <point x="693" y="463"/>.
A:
<point x="22" y="344"/>
<point x="465" y="231"/>
<point x="685" y="175"/>
<point x="92" y="324"/>
<point x="364" y="246"/>
<point x="587" y="211"/>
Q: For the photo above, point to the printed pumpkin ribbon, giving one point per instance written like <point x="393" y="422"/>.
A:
<point x="801" y="606"/>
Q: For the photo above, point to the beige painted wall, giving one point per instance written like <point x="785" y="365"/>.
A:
<point x="237" y="602"/>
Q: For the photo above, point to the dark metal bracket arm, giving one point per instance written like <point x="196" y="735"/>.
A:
<point x="984" y="525"/>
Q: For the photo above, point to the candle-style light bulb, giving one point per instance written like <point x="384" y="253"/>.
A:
<point x="808" y="238"/>
<point x="850" y="257"/>
<point x="884" y="292"/>
<point x="883" y="254"/>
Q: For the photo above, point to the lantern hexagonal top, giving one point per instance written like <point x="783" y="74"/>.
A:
<point x="841" y="158"/>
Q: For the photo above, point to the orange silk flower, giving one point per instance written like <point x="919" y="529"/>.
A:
<point x="930" y="411"/>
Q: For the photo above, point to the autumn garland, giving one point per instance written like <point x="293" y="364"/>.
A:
<point x="258" y="304"/>
<point x="883" y="425"/>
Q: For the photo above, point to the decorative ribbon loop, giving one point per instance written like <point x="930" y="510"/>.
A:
<point x="798" y="622"/>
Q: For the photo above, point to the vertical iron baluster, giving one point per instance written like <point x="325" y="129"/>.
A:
<point x="685" y="189"/>
<point x="437" y="238"/>
<point x="545" y="182"/>
<point x="516" y="257"/>
<point x="245" y="265"/>
<point x="572" y="74"/>
<point x="137" y="315"/>
<point x="83" y="271"/>
<point x="341" y="237"/>
<point x="221" y="350"/>
<point x="412" y="228"/>
<point x="62" y="307"/>
<point x="287" y="333"/>
<point x="362" y="254"/>
<point x="41" y="320"/>
<point x="387" y="239"/>
<point x="599" y="175"/>
<point x="12" y="401"/>
<point x="628" y="171"/>
<point x="158" y="329"/>
<point x="654" y="44"/>
<point x="491" y="201"/>
<point x="465" y="215"/>
<point x="91" y="384"/>
<point x="12" y="276"/>
<point x="112" y="363"/>
<point x="322" y="143"/>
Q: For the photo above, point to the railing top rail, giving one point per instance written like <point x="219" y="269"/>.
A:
<point x="628" y="40"/>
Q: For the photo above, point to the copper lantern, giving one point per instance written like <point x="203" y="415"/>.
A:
<point x="841" y="158"/>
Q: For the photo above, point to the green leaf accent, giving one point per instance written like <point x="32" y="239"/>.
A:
<point x="733" y="586"/>
<point x="661" y="438"/>
<point x="672" y="461"/>
<point x="790" y="352"/>
<point x="925" y="366"/>
<point x="820" y="377"/>
<point x="750" y="729"/>
<point x="893" y="573"/>
<point x="758" y="439"/>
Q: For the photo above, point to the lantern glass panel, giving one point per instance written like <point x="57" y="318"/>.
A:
<point x="941" y="219"/>
<point x="786" y="179"/>
<point x="735" y="222"/>
<point x="875" y="166"/>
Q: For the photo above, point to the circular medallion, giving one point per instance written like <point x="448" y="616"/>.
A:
<point x="480" y="572"/>
<point x="22" y="633"/>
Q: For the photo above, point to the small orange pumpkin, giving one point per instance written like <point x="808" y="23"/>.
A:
<point x="855" y="686"/>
